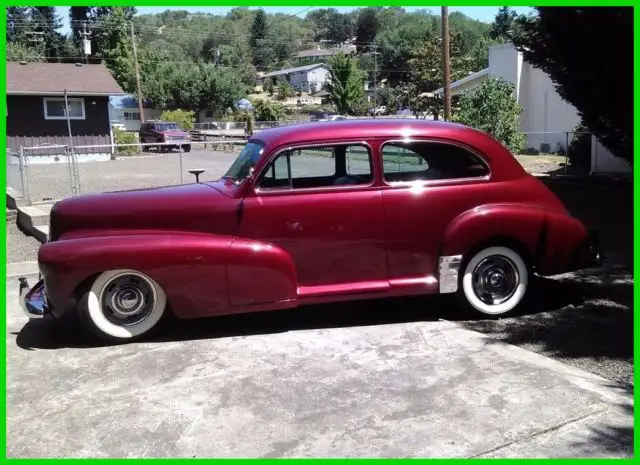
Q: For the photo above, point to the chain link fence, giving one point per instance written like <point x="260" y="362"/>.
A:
<point x="50" y="172"/>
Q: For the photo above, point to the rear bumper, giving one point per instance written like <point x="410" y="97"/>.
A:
<point x="33" y="300"/>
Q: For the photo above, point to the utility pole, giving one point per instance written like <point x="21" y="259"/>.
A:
<point x="446" y="63"/>
<point x="135" y="64"/>
<point x="375" y="79"/>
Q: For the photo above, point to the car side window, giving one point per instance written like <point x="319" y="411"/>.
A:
<point x="428" y="161"/>
<point x="316" y="167"/>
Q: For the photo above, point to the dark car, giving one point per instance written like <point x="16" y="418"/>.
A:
<point x="166" y="133"/>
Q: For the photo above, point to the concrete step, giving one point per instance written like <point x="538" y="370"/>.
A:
<point x="34" y="220"/>
<point x="15" y="199"/>
<point x="11" y="215"/>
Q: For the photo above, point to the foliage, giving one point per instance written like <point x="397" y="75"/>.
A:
<point x="583" y="66"/>
<point x="502" y="26"/>
<point x="125" y="137"/>
<point x="285" y="90"/>
<point x="492" y="108"/>
<point x="265" y="110"/>
<point x="366" y="28"/>
<point x="345" y="84"/>
<point x="579" y="150"/>
<point x="267" y="86"/>
<point x="183" y="118"/>
<point x="17" y="51"/>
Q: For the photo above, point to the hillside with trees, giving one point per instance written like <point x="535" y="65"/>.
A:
<point x="204" y="61"/>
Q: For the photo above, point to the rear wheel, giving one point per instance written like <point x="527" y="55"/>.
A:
<point x="186" y="148"/>
<point x="122" y="305"/>
<point x="495" y="281"/>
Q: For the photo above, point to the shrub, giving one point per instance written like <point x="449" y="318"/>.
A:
<point x="580" y="147"/>
<point x="182" y="117"/>
<point x="268" y="111"/>
<point x="125" y="137"/>
<point x="493" y="109"/>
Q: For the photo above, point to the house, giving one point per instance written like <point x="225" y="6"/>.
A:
<point x="546" y="119"/>
<point x="36" y="112"/>
<point x="320" y="53"/>
<point x="125" y="110"/>
<point x="309" y="78"/>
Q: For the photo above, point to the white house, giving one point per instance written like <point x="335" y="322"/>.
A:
<point x="125" y="110"/>
<point x="320" y="53"/>
<point x="547" y="119"/>
<point x="310" y="78"/>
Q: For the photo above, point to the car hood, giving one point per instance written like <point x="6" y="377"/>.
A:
<point x="191" y="207"/>
<point x="174" y="133"/>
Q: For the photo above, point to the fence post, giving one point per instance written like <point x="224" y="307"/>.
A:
<point x="181" y="171"/>
<point x="24" y="175"/>
<point x="566" y="153"/>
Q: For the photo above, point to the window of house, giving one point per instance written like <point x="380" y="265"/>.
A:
<point x="54" y="108"/>
<point x="315" y="167"/>
<point x="132" y="115"/>
<point x="429" y="161"/>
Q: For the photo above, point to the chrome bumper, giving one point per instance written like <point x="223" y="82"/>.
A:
<point x="34" y="300"/>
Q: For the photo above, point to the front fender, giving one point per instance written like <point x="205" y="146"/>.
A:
<point x="198" y="271"/>
<point x="550" y="238"/>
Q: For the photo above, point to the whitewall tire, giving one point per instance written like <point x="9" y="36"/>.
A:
<point x="123" y="305"/>
<point x="495" y="280"/>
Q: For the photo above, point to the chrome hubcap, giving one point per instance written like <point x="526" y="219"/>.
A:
<point x="127" y="300"/>
<point x="495" y="279"/>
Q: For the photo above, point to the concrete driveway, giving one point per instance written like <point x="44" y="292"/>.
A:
<point x="305" y="383"/>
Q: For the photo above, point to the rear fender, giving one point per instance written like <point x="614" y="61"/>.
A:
<point x="550" y="239"/>
<point x="191" y="268"/>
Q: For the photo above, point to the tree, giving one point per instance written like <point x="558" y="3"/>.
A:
<point x="79" y="16"/>
<point x="267" y="86"/>
<point x="48" y="22"/>
<point x="259" y="41"/>
<point x="503" y="24"/>
<point x="345" y="84"/>
<point x="17" y="51"/>
<point x="492" y="108"/>
<point x="182" y="117"/>
<point x="267" y="111"/>
<point x="18" y="19"/>
<point x="285" y="90"/>
<point x="594" y="75"/>
<point x="366" y="28"/>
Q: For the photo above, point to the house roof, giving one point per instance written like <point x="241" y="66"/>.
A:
<point x="472" y="77"/>
<point x="54" y="78"/>
<point x="325" y="51"/>
<point x="281" y="72"/>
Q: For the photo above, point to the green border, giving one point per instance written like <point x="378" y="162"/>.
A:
<point x="336" y="3"/>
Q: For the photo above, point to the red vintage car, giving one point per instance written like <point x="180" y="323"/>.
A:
<point x="310" y="213"/>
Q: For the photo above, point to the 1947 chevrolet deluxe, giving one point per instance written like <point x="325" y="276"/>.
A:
<point x="311" y="213"/>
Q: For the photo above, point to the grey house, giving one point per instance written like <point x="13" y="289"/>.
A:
<point x="35" y="104"/>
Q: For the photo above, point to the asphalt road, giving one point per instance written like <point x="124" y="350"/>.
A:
<point x="330" y="381"/>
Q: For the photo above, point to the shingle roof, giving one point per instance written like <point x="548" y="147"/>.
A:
<point x="54" y="78"/>
<point x="293" y="70"/>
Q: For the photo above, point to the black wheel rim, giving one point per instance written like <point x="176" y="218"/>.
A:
<point x="127" y="300"/>
<point x="495" y="279"/>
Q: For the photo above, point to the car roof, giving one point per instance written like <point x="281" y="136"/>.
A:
<point x="357" y="129"/>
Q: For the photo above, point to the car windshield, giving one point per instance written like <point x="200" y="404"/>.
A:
<point x="166" y="126"/>
<point x="242" y="167"/>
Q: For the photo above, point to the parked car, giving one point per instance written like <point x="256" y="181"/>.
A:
<point x="312" y="213"/>
<point x="305" y="101"/>
<point x="119" y="126"/>
<point x="164" y="132"/>
<point x="335" y="118"/>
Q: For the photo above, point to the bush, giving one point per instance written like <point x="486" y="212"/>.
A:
<point x="125" y="137"/>
<point x="268" y="111"/>
<point x="493" y="109"/>
<point x="580" y="147"/>
<point x="182" y="117"/>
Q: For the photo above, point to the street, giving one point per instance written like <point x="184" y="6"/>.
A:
<point x="323" y="381"/>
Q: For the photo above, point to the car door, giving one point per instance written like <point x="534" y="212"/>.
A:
<point x="426" y="184"/>
<point x="319" y="204"/>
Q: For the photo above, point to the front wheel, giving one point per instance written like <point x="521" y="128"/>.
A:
<point x="495" y="281"/>
<point x="186" y="148"/>
<point x="122" y="305"/>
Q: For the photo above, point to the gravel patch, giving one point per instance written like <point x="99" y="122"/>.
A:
<point x="20" y="247"/>
<point x="54" y="181"/>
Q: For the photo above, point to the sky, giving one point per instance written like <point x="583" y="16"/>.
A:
<point x="481" y="13"/>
